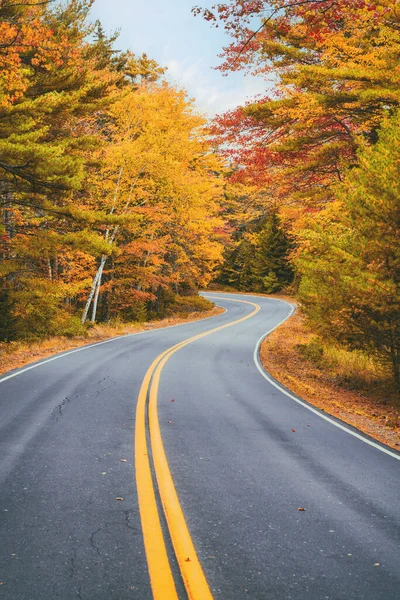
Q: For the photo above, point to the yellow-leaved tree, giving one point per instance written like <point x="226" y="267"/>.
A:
<point x="161" y="186"/>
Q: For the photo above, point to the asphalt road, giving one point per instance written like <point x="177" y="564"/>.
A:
<point x="244" y="457"/>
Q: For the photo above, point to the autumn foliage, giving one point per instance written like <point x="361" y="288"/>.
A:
<point x="323" y="146"/>
<point x="109" y="191"/>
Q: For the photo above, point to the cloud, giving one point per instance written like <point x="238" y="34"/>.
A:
<point x="212" y="92"/>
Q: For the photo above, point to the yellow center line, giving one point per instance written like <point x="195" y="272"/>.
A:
<point x="161" y="578"/>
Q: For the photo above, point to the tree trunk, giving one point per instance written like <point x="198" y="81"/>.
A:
<point x="395" y="356"/>
<point x="90" y="297"/>
<point x="98" y="285"/>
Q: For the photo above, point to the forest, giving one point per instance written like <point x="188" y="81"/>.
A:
<point x="110" y="195"/>
<point x="120" y="201"/>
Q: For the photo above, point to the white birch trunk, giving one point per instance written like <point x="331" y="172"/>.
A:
<point x="95" y="289"/>
<point x="90" y="297"/>
<point x="98" y="285"/>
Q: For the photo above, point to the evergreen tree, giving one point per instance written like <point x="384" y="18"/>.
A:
<point x="350" y="263"/>
<point x="271" y="267"/>
<point x="236" y="270"/>
<point x="260" y="259"/>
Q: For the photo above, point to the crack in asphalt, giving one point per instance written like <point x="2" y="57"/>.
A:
<point x="112" y="383"/>
<point x="93" y="545"/>
<point x="106" y="527"/>
<point x="127" y="514"/>
<point x="57" y="410"/>
<point x="72" y="560"/>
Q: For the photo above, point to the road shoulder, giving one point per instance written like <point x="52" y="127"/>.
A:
<point x="280" y="357"/>
<point x="15" y="355"/>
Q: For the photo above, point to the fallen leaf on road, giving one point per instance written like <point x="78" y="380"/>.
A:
<point x="119" y="498"/>
<point x="173" y="400"/>
<point x="293" y="430"/>
<point x="301" y="509"/>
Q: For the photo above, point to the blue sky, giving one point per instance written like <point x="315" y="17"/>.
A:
<point x="168" y="32"/>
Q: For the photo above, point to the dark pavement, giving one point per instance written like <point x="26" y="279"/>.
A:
<point x="240" y="471"/>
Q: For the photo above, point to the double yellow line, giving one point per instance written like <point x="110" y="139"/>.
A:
<point x="161" y="578"/>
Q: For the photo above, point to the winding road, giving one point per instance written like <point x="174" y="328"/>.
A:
<point x="168" y="465"/>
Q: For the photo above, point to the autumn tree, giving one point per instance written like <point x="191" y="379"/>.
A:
<point x="161" y="181"/>
<point x="49" y="128"/>
<point x="350" y="257"/>
<point x="335" y="68"/>
<point x="109" y="190"/>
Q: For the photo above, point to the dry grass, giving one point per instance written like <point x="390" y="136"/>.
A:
<point x="14" y="355"/>
<point x="347" y="385"/>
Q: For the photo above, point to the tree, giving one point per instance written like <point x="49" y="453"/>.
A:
<point x="49" y="129"/>
<point x="259" y="260"/>
<point x="109" y="191"/>
<point x="335" y="68"/>
<point x="271" y="267"/>
<point x="160" y="180"/>
<point x="350" y="257"/>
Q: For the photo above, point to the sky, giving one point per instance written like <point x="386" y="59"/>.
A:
<point x="188" y="46"/>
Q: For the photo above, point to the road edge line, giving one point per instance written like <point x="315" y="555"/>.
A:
<point x="292" y="396"/>
<point x="41" y="362"/>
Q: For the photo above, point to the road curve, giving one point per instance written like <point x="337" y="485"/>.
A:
<point x="243" y="456"/>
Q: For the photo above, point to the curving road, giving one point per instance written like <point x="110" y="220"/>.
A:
<point x="244" y="456"/>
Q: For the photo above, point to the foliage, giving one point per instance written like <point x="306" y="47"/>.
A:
<point x="109" y="191"/>
<point x="350" y="258"/>
<point x="189" y="304"/>
<point x="335" y="69"/>
<point x="313" y="145"/>
<point x="260" y="259"/>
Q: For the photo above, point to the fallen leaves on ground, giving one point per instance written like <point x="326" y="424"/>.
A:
<point x="365" y="411"/>
<point x="14" y="355"/>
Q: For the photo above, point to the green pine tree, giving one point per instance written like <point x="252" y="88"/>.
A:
<point x="271" y="267"/>
<point x="350" y="262"/>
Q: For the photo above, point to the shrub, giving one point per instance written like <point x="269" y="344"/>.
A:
<point x="189" y="304"/>
<point x="312" y="351"/>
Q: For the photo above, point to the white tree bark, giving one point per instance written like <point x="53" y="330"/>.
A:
<point x="95" y="289"/>
<point x="90" y="297"/>
<point x="97" y="278"/>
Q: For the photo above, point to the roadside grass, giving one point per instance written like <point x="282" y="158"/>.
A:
<point x="14" y="355"/>
<point x="350" y="385"/>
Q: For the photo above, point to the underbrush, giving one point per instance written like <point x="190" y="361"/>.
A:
<point x="353" y="369"/>
<point x="16" y="354"/>
<point x="349" y="384"/>
<point x="186" y="305"/>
